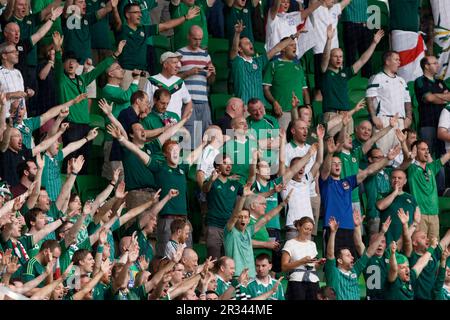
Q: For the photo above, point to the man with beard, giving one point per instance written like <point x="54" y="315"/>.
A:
<point x="27" y="172"/>
<point x="221" y="193"/>
<point x="180" y="233"/>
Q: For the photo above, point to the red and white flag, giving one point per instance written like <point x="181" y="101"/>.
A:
<point x="411" y="47"/>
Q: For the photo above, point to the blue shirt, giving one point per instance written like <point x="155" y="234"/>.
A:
<point x="336" y="198"/>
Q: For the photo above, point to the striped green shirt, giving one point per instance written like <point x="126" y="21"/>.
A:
<point x="256" y="288"/>
<point x="356" y="12"/>
<point x="26" y="128"/>
<point x="51" y="176"/>
<point x="346" y="285"/>
<point x="33" y="269"/>
<point x="248" y="78"/>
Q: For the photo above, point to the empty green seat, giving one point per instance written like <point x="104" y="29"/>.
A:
<point x="89" y="186"/>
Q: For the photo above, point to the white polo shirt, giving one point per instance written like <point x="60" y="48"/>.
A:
<point x="391" y="94"/>
<point x="11" y="81"/>
<point x="175" y="85"/>
<point x="206" y="163"/>
<point x="284" y="25"/>
<point x="292" y="151"/>
<point x="321" y="18"/>
<point x="444" y="122"/>
<point x="299" y="205"/>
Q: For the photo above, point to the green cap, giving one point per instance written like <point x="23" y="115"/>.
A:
<point x="401" y="259"/>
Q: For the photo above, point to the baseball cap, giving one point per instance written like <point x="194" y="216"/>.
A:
<point x="169" y="54"/>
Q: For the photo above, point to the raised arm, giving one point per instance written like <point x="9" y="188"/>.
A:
<point x="117" y="134"/>
<point x="238" y="208"/>
<point x="44" y="145"/>
<point x="238" y="28"/>
<point x="406" y="236"/>
<point x="273" y="11"/>
<point x="280" y="46"/>
<point x="74" y="167"/>
<point x="380" y="236"/>
<point x="170" y="24"/>
<point x="445" y="158"/>
<point x="272" y="213"/>
<point x="369" y="52"/>
<point x="269" y="293"/>
<point x="139" y="209"/>
<point x="55" y="111"/>
<point x="327" y="51"/>
<point x="357" y="234"/>
<point x="326" y="166"/>
<point x="47" y="290"/>
<point x="311" y="8"/>
<point x="90" y="285"/>
<point x="101" y="13"/>
<point x="377" y="136"/>
<point x="107" y="110"/>
<point x="393" y="266"/>
<point x="330" y="245"/>
<point x="377" y="166"/>
<point x="42" y="31"/>
<point x="319" y="156"/>
<point x="344" y="3"/>
<point x="384" y="203"/>
<point x="425" y="258"/>
<point x="291" y="171"/>
<point x="72" y="147"/>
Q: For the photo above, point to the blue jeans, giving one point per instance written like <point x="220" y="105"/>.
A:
<point x="429" y="134"/>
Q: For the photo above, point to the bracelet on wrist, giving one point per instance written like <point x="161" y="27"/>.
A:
<point x="74" y="173"/>
<point x="87" y="140"/>
<point x="185" y="17"/>
<point x="113" y="184"/>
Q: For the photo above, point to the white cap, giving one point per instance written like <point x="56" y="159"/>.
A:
<point x="168" y="54"/>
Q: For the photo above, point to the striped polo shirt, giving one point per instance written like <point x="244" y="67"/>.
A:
<point x="197" y="84"/>
<point x="356" y="12"/>
<point x="51" y="176"/>
<point x="11" y="81"/>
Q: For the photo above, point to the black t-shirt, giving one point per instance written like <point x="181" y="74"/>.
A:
<point x="9" y="161"/>
<point x="429" y="113"/>
<point x="24" y="46"/>
<point x="127" y="118"/>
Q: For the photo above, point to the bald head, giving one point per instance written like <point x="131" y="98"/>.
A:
<point x="235" y="107"/>
<point x="189" y="259"/>
<point x="12" y="33"/>
<point x="195" y="37"/>
<point x="299" y="131"/>
<point x="364" y="131"/>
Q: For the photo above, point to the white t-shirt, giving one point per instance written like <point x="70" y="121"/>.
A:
<point x="175" y="85"/>
<point x="444" y="122"/>
<point x="10" y="81"/>
<point x="284" y="25"/>
<point x="321" y="18"/>
<point x="292" y="151"/>
<point x="206" y="163"/>
<point x="299" y="205"/>
<point x="298" y="250"/>
<point x="391" y="94"/>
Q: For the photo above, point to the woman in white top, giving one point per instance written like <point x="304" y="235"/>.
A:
<point x="299" y="258"/>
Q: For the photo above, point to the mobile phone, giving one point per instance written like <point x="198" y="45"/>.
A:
<point x="205" y="68"/>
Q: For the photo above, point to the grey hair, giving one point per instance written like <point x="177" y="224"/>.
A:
<point x="249" y="201"/>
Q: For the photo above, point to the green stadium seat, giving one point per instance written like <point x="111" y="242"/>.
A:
<point x="415" y="106"/>
<point x="218" y="103"/>
<point x="318" y="111"/>
<point x="220" y="85"/>
<point x="161" y="44"/>
<point x="307" y="62"/>
<point x="444" y="212"/>
<point x="259" y="47"/>
<point x="89" y="186"/>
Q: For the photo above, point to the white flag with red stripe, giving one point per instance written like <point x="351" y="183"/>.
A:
<point x="441" y="15"/>
<point x="411" y="47"/>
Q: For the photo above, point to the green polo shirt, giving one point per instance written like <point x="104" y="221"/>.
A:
<point x="272" y="201"/>
<point x="238" y="245"/>
<point x="405" y="201"/>
<point x="261" y="235"/>
<point x="134" y="55"/>
<point x="241" y="156"/>
<point x="266" y="128"/>
<point x="93" y="227"/>
<point x="67" y="252"/>
<point x="335" y="89"/>
<point x="423" y="287"/>
<point x="404" y="15"/>
<point x="233" y="15"/>
<point x="375" y="275"/>
<point x="146" y="6"/>
<point x="145" y="246"/>
<point x="100" y="30"/>
<point x="26" y="128"/>
<point x="28" y="26"/>
<point x="221" y="199"/>
<point x="27" y="244"/>
<point x="400" y="290"/>
<point x="68" y="89"/>
<point x="346" y="285"/>
<point x="137" y="175"/>
<point x="171" y="178"/>
<point x="248" y="78"/>
<point x="33" y="269"/>
<point x="138" y="293"/>
<point x="256" y="288"/>
<point x="77" y="35"/>
<point x="422" y="184"/>
<point x="99" y="291"/>
<point x="364" y="162"/>
<point x="355" y="12"/>
<point x="121" y="99"/>
<point x="285" y="77"/>
<point x="156" y="120"/>
<point x="181" y="32"/>
<point x="373" y="186"/>
<point x="350" y="167"/>
<point x="51" y="176"/>
<point x="222" y="286"/>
